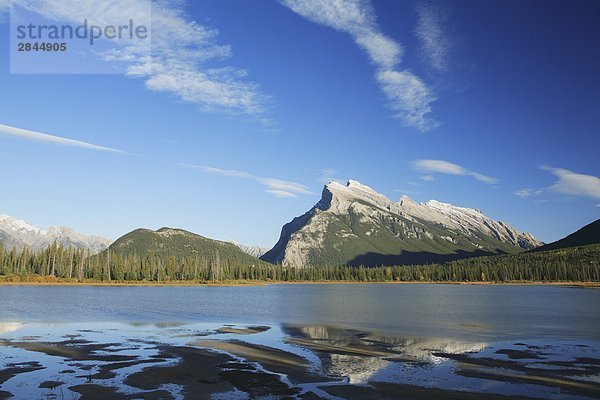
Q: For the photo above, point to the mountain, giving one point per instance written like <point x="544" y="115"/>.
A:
<point x="355" y="225"/>
<point x="589" y="234"/>
<point x="254" y="251"/>
<point x="15" y="233"/>
<point x="167" y="242"/>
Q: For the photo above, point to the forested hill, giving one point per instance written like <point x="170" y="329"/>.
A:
<point x="178" y="243"/>
<point x="589" y="234"/>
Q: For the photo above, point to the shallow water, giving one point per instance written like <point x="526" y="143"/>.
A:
<point x="507" y="336"/>
<point x="408" y="309"/>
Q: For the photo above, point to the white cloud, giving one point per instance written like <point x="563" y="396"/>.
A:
<point x="186" y="58"/>
<point x="328" y="175"/>
<point x="433" y="38"/>
<point x="218" y="171"/>
<point x="276" y="187"/>
<point x="284" y="186"/>
<point x="404" y="191"/>
<point x="445" y="167"/>
<point x="282" y="194"/>
<point x="407" y="95"/>
<point x="483" y="178"/>
<point x="427" y="178"/>
<point x="528" y="192"/>
<point x="574" y="183"/>
<point x="440" y="166"/>
<point x="44" y="137"/>
<point x="4" y="7"/>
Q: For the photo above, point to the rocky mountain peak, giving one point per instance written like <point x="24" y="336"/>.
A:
<point x="339" y="197"/>
<point x="355" y="224"/>
<point x="16" y="233"/>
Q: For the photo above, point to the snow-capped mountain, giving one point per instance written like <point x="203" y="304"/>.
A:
<point x="356" y="225"/>
<point x="254" y="251"/>
<point x="17" y="233"/>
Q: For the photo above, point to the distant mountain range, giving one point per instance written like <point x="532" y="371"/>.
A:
<point x="170" y="242"/>
<point x="354" y="225"/>
<point x="589" y="234"/>
<point x="15" y="233"/>
<point x="254" y="251"/>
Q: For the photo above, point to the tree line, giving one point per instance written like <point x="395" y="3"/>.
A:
<point x="580" y="264"/>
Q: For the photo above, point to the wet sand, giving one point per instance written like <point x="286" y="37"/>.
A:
<point x="99" y="392"/>
<point x="532" y="368"/>
<point x="197" y="371"/>
<point x="352" y="364"/>
<point x="250" y="330"/>
<point x="391" y="391"/>
<point x="296" y="368"/>
<point x="14" y="369"/>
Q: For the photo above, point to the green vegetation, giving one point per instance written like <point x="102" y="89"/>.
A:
<point x="167" y="243"/>
<point x="577" y="264"/>
<point x="589" y="234"/>
<point x="385" y="239"/>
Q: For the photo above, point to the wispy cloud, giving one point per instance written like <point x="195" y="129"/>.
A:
<point x="407" y="95"/>
<point x="405" y="191"/>
<point x="280" y="186"/>
<point x="574" y="183"/>
<point x="218" y="171"/>
<point x="4" y="7"/>
<point x="529" y="192"/>
<point x="276" y="187"/>
<point x="44" y="137"/>
<point x="282" y="194"/>
<point x="432" y="35"/>
<point x="186" y="61"/>
<point x="448" y="168"/>
<point x="329" y="175"/>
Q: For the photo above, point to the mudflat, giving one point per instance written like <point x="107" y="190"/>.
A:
<point x="308" y="362"/>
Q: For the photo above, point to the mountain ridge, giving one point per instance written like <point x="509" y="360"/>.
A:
<point x="16" y="233"/>
<point x="588" y="234"/>
<point x="356" y="225"/>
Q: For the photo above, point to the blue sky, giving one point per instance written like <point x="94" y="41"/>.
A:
<point x="487" y="104"/>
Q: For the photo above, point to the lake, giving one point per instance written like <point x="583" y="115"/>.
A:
<point x="330" y="341"/>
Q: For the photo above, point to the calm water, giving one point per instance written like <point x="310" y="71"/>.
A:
<point x="464" y="311"/>
<point x="526" y="328"/>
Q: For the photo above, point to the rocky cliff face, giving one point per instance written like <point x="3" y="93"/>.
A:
<point x="355" y="225"/>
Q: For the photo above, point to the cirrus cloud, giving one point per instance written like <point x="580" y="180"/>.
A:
<point x="187" y="59"/>
<point x="276" y="187"/>
<point x="429" y="167"/>
<point x="408" y="96"/>
<point x="60" y="140"/>
<point x="527" y="192"/>
<point x="574" y="183"/>
<point x="431" y="33"/>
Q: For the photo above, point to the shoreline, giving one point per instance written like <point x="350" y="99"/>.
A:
<point x="59" y="282"/>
